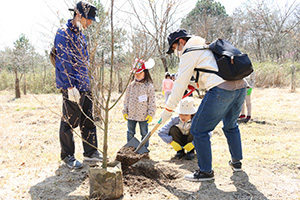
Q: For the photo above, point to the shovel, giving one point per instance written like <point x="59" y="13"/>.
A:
<point x="139" y="146"/>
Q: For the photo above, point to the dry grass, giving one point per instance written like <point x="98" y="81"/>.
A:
<point x="29" y="149"/>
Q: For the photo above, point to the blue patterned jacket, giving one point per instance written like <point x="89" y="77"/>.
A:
<point x="72" y="58"/>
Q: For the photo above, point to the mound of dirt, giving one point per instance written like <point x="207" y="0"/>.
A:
<point x="128" y="157"/>
<point x="140" y="173"/>
<point x="149" y="175"/>
<point x="152" y="170"/>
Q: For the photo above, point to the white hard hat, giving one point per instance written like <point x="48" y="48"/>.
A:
<point x="186" y="106"/>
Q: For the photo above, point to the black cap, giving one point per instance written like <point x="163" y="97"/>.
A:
<point x="179" y="33"/>
<point x="86" y="9"/>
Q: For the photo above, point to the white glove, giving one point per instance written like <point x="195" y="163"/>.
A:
<point x="165" y="116"/>
<point x="74" y="95"/>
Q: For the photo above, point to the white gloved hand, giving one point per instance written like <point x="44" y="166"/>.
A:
<point x="74" y="94"/>
<point x="165" y="116"/>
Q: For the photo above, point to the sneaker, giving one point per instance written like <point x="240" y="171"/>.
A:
<point x="179" y="154"/>
<point x="248" y="118"/>
<point x="190" y="155"/>
<point x="236" y="166"/>
<point x="242" y="116"/>
<point x="96" y="157"/>
<point x="72" y="163"/>
<point x="198" y="176"/>
<point x="243" y="120"/>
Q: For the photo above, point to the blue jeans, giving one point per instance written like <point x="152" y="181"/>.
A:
<point x="131" y="124"/>
<point x="218" y="104"/>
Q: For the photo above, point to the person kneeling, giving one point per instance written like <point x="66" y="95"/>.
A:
<point x="177" y="131"/>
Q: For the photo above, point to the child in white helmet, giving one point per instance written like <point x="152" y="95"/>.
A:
<point x="177" y="131"/>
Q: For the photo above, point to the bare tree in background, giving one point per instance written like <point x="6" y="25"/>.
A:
<point x="265" y="29"/>
<point x="155" y="19"/>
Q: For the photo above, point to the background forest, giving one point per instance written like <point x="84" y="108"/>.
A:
<point x="267" y="32"/>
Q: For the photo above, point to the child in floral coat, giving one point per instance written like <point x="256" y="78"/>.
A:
<point x="139" y="103"/>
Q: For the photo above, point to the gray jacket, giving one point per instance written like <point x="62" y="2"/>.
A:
<point x="175" y="121"/>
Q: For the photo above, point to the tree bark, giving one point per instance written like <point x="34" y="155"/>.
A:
<point x="165" y="64"/>
<point x="17" y="85"/>
<point x="24" y="86"/>
<point x="293" y="85"/>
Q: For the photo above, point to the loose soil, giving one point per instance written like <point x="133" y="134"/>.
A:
<point x="128" y="157"/>
<point x="140" y="173"/>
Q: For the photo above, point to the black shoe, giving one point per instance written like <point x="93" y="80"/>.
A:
<point x="190" y="155"/>
<point x="236" y="165"/>
<point x="179" y="154"/>
<point x="198" y="176"/>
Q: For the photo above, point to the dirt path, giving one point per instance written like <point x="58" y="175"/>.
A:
<point x="31" y="169"/>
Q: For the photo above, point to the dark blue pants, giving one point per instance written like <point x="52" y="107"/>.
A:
<point x="131" y="125"/>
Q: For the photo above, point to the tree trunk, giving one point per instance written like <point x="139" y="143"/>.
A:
<point x="120" y="82"/>
<point x="259" y="50"/>
<point x="17" y="85"/>
<point x="96" y="93"/>
<point x="101" y="86"/>
<point x="164" y="62"/>
<point x="24" y="86"/>
<point x="293" y="85"/>
<point x="45" y="75"/>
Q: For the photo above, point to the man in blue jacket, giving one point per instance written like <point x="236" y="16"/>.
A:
<point x="71" y="70"/>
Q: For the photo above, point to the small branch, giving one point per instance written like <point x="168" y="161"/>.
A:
<point x="123" y="92"/>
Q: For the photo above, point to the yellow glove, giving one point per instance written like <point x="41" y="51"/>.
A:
<point x="163" y="92"/>
<point x="189" y="146"/>
<point x="149" y="119"/>
<point x="176" y="146"/>
<point x="125" y="117"/>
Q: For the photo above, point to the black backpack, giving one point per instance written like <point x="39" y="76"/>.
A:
<point x="232" y="63"/>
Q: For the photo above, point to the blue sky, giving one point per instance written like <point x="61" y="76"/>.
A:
<point x="38" y="19"/>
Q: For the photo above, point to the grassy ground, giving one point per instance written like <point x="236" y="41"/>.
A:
<point x="31" y="168"/>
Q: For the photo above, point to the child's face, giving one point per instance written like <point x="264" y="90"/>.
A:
<point x="185" y="118"/>
<point x="140" y="76"/>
